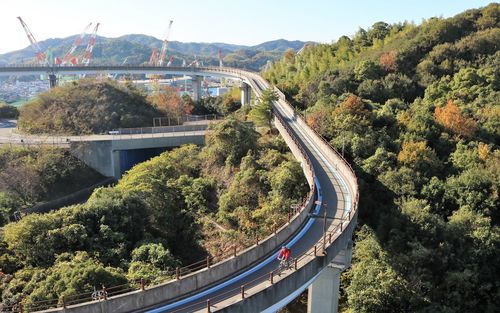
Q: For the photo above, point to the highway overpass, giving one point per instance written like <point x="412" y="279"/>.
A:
<point x="196" y="74"/>
<point x="319" y="234"/>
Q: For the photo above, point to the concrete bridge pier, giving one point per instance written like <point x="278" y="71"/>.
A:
<point x="245" y="94"/>
<point x="196" y="84"/>
<point x="323" y="293"/>
<point x="52" y="80"/>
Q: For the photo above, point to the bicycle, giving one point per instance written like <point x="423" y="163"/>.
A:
<point x="284" y="265"/>
<point x="98" y="295"/>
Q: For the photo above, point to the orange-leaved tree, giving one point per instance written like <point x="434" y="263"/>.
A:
<point x="388" y="61"/>
<point x="454" y="121"/>
<point x="168" y="100"/>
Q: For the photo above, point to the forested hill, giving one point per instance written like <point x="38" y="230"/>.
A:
<point x="416" y="109"/>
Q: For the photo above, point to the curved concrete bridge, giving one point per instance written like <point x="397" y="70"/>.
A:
<point x="319" y="233"/>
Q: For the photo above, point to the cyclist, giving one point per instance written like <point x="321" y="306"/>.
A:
<point x="284" y="254"/>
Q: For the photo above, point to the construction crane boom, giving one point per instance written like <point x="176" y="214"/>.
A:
<point x="170" y="61"/>
<point x="87" y="55"/>
<point x="40" y="56"/>
<point x="153" y="59"/>
<point x="220" y="59"/>
<point x="163" y="52"/>
<point x="69" y="56"/>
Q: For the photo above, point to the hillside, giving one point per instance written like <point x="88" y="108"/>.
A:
<point x="30" y="175"/>
<point x="159" y="216"/>
<point x="86" y="106"/>
<point x="136" y="49"/>
<point x="415" y="109"/>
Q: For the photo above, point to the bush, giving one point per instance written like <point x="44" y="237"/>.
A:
<point x="87" y="106"/>
<point x="8" y="111"/>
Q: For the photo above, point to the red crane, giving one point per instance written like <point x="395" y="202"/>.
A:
<point x="69" y="57"/>
<point x="163" y="52"/>
<point x="87" y="55"/>
<point x="40" y="55"/>
<point x="153" y="59"/>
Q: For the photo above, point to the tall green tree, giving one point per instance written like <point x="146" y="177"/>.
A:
<point x="262" y="113"/>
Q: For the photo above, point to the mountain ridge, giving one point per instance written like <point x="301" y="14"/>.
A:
<point x="136" y="49"/>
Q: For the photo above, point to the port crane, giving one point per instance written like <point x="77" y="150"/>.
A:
<point x="69" y="57"/>
<point x="157" y="57"/>
<point x="40" y="55"/>
<point x="87" y="55"/>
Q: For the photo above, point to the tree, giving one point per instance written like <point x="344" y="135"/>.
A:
<point x="367" y="70"/>
<point x="490" y="17"/>
<point x="375" y="286"/>
<point x="152" y="262"/>
<point x="418" y="156"/>
<point x="379" y="30"/>
<point x="380" y="162"/>
<point x="452" y="120"/>
<point x="388" y="61"/>
<point x="262" y="113"/>
<point x="8" y="111"/>
<point x="73" y="275"/>
<point x="228" y="142"/>
<point x="168" y="101"/>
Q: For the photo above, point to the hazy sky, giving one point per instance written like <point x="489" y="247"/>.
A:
<point x="231" y="21"/>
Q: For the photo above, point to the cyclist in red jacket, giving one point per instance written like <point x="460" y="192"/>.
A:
<point x="284" y="254"/>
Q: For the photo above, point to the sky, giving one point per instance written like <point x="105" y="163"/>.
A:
<point x="247" y="22"/>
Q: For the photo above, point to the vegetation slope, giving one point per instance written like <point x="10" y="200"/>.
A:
<point x="174" y="209"/>
<point x="416" y="109"/>
<point x="32" y="175"/>
<point x="87" y="106"/>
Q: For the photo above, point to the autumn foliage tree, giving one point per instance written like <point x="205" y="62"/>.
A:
<point x="418" y="156"/>
<point x="388" y="61"/>
<point x="169" y="102"/>
<point x="453" y="121"/>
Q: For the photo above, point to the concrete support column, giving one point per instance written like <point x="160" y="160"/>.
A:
<point x="196" y="84"/>
<point x="245" y="94"/>
<point x="52" y="80"/>
<point x="115" y="163"/>
<point x="323" y="294"/>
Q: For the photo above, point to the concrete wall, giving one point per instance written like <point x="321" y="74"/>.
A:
<point x="104" y="155"/>
<point x="96" y="154"/>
